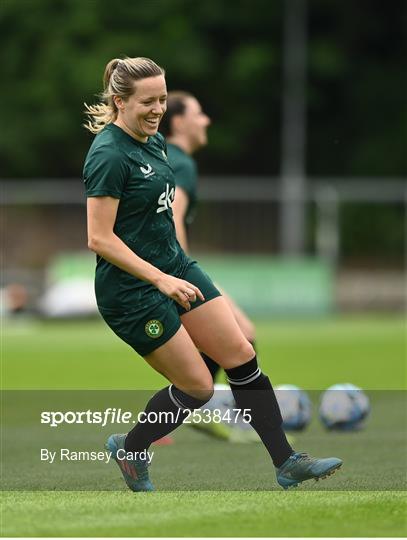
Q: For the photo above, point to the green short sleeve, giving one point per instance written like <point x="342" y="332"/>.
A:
<point x="105" y="173"/>
<point x="186" y="177"/>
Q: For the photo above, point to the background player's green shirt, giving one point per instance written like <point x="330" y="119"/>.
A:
<point x="139" y="175"/>
<point x="186" y="177"/>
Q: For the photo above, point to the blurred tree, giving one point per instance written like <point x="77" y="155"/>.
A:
<point x="229" y="53"/>
<point x="358" y="88"/>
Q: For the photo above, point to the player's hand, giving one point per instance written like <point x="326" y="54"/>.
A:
<point x="179" y="290"/>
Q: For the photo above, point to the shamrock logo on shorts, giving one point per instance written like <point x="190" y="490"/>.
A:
<point x="154" y="328"/>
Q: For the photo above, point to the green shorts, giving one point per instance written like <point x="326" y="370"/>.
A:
<point x="157" y="318"/>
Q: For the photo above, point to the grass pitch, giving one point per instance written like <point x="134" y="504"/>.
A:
<point x="369" y="352"/>
<point x="368" y="497"/>
<point x="204" y="514"/>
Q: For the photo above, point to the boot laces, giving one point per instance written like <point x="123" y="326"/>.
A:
<point x="303" y="456"/>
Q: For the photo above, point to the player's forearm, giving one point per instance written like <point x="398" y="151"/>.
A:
<point x="115" y="251"/>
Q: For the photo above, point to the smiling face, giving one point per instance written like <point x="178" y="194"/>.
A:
<point x="141" y="113"/>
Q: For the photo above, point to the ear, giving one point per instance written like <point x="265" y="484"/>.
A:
<point x="118" y="101"/>
<point x="177" y="123"/>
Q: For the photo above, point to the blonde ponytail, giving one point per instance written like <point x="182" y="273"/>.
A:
<point x="118" y="80"/>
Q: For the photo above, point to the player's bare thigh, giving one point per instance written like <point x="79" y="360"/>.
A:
<point x="180" y="362"/>
<point x="215" y="331"/>
<point x="245" y="324"/>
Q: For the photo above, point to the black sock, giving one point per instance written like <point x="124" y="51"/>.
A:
<point x="252" y="390"/>
<point x="169" y="408"/>
<point x="213" y="367"/>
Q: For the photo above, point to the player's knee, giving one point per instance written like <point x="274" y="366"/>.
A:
<point x="204" y="394"/>
<point x="206" y="390"/>
<point x="200" y="388"/>
<point x="245" y="352"/>
<point x="238" y="353"/>
<point x="200" y="395"/>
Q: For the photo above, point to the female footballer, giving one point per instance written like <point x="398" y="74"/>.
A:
<point x="151" y="294"/>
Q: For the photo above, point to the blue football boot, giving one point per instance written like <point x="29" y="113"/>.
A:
<point x="299" y="467"/>
<point x="135" y="472"/>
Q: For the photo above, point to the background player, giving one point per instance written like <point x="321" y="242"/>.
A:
<point x="185" y="128"/>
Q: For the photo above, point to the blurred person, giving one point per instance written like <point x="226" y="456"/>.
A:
<point x="14" y="299"/>
<point x="151" y="294"/>
<point x="185" y="128"/>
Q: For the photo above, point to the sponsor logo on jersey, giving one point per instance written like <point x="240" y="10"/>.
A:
<point x="147" y="171"/>
<point x="154" y="328"/>
<point x="166" y="199"/>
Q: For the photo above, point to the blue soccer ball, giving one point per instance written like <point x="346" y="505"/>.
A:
<point x="344" y="407"/>
<point x="295" y="407"/>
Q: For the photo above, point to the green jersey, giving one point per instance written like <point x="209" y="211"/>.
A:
<point x="139" y="175"/>
<point x="186" y="177"/>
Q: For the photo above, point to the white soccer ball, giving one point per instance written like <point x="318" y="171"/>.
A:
<point x="344" y="407"/>
<point x="295" y="407"/>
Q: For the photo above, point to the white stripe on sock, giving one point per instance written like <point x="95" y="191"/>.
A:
<point x="175" y="400"/>
<point x="245" y="380"/>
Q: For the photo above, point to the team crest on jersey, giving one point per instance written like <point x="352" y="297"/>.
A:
<point x="166" y="199"/>
<point x="154" y="328"/>
<point x="147" y="171"/>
